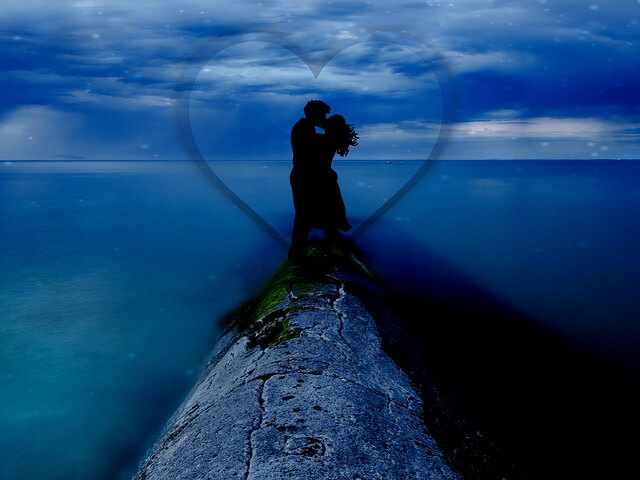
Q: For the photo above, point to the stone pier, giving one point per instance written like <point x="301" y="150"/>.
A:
<point x="299" y="387"/>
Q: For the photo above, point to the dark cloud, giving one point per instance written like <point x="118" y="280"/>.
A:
<point x="117" y="67"/>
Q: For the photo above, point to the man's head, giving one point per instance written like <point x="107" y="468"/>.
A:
<point x="316" y="111"/>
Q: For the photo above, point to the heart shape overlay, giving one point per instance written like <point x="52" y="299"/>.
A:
<point x="213" y="46"/>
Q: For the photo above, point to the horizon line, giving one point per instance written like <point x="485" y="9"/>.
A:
<point x="78" y="160"/>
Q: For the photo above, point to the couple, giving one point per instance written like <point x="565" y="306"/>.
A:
<point x="316" y="195"/>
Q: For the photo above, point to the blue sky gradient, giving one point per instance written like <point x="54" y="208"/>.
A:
<point x="530" y="78"/>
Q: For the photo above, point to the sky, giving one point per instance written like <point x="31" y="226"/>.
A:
<point x="120" y="80"/>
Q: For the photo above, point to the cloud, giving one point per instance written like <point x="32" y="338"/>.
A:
<point x="547" y="128"/>
<point x="36" y="132"/>
<point x="90" y="60"/>
<point x="255" y="68"/>
<point x="44" y="132"/>
<point x="497" y="61"/>
<point x="506" y="138"/>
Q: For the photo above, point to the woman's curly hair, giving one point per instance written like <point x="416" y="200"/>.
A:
<point x="342" y="133"/>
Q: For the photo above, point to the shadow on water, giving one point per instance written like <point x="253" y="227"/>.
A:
<point x="504" y="398"/>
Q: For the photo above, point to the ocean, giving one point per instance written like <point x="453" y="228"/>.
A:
<point x="113" y="276"/>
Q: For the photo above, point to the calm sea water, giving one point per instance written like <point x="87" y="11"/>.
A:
<point x="113" y="274"/>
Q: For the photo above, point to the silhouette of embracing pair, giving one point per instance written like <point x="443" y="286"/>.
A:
<point x="314" y="184"/>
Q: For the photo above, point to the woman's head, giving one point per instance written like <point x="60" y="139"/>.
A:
<point x="342" y="134"/>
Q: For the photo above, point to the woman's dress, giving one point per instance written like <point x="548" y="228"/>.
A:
<point x="316" y="195"/>
<point x="332" y="212"/>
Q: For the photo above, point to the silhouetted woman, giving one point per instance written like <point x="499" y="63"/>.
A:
<point x="331" y="214"/>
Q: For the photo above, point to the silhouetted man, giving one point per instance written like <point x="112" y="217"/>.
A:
<point x="305" y="144"/>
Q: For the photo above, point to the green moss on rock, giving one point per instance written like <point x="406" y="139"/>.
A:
<point x="274" y="332"/>
<point x="264" y="318"/>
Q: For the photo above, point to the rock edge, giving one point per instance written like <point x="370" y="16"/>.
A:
<point x="299" y="387"/>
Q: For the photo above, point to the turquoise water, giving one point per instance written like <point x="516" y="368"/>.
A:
<point x="113" y="275"/>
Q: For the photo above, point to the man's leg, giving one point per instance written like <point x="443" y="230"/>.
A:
<point x="333" y="238"/>
<point x="299" y="240"/>
<point x="331" y="235"/>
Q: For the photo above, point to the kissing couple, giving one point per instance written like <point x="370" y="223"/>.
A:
<point x="314" y="183"/>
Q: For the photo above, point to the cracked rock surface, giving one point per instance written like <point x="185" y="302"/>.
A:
<point x="299" y="387"/>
